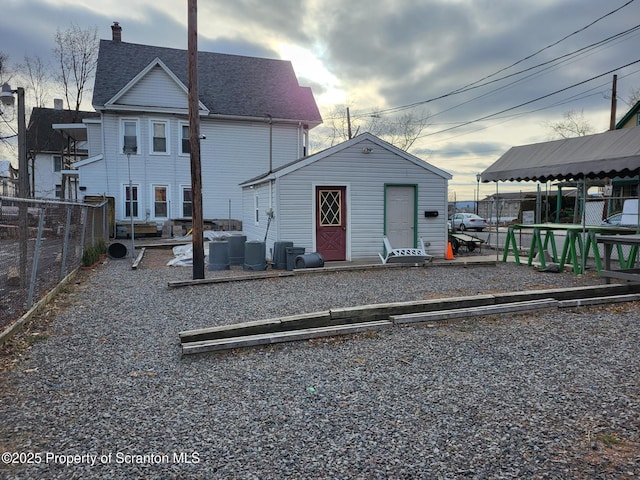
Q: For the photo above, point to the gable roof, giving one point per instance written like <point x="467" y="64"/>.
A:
<point x="229" y="85"/>
<point x="627" y="116"/>
<point x="42" y="137"/>
<point x="303" y="162"/>
<point x="609" y="154"/>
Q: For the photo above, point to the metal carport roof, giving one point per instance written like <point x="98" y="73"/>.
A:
<point x="608" y="154"/>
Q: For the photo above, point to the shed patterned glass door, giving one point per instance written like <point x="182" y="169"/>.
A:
<point x="331" y="225"/>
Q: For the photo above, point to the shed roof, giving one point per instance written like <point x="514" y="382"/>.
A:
<point x="608" y="154"/>
<point x="303" y="162"/>
<point x="230" y="85"/>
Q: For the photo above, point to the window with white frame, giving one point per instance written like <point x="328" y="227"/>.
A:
<point x="129" y="136"/>
<point x="58" y="190"/>
<point x="185" y="145"/>
<point x="130" y="200"/>
<point x="187" y="202"/>
<point x="160" y="201"/>
<point x="256" y="204"/>
<point x="57" y="163"/>
<point x="159" y="137"/>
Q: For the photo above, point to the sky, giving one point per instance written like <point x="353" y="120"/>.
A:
<point x="486" y="74"/>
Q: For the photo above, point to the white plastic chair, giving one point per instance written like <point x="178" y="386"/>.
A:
<point x="404" y="255"/>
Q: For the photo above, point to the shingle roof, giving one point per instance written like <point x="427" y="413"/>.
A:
<point x="41" y="137"/>
<point x="228" y="84"/>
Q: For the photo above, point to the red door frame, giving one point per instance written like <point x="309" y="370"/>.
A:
<point x="331" y="228"/>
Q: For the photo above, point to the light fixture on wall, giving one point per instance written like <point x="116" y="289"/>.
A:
<point x="367" y="150"/>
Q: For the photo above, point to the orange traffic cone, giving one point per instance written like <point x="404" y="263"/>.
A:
<point x="449" y="255"/>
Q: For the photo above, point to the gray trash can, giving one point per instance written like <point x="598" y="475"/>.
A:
<point x="218" y="255"/>
<point x="254" y="256"/>
<point x="310" y="260"/>
<point x="292" y="253"/>
<point x="280" y="254"/>
<point x="236" y="248"/>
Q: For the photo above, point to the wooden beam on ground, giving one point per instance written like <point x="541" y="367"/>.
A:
<point x="138" y="259"/>
<point x="238" y="278"/>
<point x="474" y="311"/>
<point x="271" y="338"/>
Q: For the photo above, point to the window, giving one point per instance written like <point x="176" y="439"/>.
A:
<point x="256" y="204"/>
<point x="160" y="204"/>
<point x="185" y="145"/>
<point x="159" y="130"/>
<point x="638" y="119"/>
<point x="57" y="163"/>
<point x="187" y="202"/>
<point x="58" y="191"/>
<point x="130" y="136"/>
<point x="130" y="201"/>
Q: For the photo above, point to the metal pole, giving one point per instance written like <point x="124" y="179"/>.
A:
<point x="36" y="258"/>
<point x="133" y="242"/>
<point x="23" y="185"/>
<point x="65" y="245"/>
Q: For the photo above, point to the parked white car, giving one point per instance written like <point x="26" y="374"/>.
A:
<point x="468" y="221"/>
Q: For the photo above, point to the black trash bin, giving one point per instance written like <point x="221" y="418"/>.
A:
<point x="292" y="253"/>
<point x="280" y="254"/>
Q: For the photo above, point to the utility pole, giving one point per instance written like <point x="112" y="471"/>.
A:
<point x="194" y="140"/>
<point x="349" y="123"/>
<point x="612" y="126"/>
<point x="614" y="87"/>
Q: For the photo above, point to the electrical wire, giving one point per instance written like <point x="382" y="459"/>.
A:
<point x="477" y="84"/>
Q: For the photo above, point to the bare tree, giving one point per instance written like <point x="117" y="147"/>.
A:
<point x="634" y="97"/>
<point x="77" y="52"/>
<point x="399" y="130"/>
<point x="37" y="76"/>
<point x="573" y="125"/>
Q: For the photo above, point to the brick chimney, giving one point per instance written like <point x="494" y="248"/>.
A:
<point x="116" y="31"/>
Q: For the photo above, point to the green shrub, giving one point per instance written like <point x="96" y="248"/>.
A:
<point x="90" y="255"/>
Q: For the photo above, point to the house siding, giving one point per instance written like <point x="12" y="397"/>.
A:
<point x="365" y="176"/>
<point x="232" y="152"/>
<point x="45" y="178"/>
<point x="155" y="89"/>
<point x="94" y="139"/>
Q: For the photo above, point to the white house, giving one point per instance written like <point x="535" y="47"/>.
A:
<point x="254" y="117"/>
<point x="56" y="140"/>
<point x="341" y="202"/>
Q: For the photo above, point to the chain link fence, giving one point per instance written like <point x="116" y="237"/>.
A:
<point x="41" y="243"/>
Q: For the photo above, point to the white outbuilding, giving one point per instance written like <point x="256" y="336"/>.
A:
<point x="342" y="201"/>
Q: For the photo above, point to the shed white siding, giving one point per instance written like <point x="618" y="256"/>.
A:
<point x="365" y="176"/>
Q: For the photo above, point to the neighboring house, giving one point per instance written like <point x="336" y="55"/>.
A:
<point x="341" y="202"/>
<point x="51" y="151"/>
<point x="254" y="117"/>
<point x="625" y="187"/>
<point x="8" y="179"/>
<point x="631" y="118"/>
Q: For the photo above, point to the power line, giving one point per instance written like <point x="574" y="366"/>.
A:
<point x="530" y="101"/>
<point x="474" y="85"/>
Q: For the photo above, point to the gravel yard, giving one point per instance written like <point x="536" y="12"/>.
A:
<point x="97" y="387"/>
